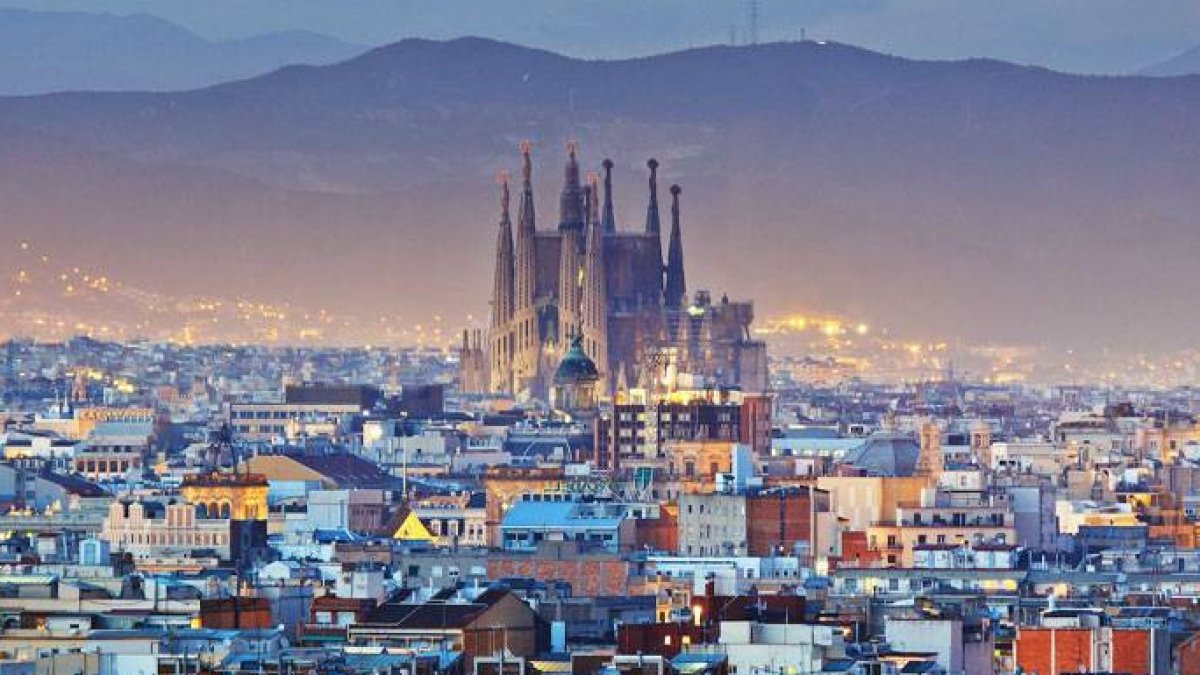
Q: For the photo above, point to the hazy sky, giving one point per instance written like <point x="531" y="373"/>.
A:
<point x="1095" y="36"/>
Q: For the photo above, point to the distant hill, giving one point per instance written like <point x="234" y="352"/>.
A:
<point x="75" y="51"/>
<point x="1184" y="63"/>
<point x="971" y="199"/>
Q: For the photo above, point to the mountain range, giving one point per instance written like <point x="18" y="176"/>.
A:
<point x="43" y="52"/>
<point x="1186" y="62"/>
<point x="970" y="199"/>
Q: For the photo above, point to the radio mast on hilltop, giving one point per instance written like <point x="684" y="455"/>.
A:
<point x="753" y="8"/>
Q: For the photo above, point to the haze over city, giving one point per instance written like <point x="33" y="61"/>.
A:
<point x="956" y="200"/>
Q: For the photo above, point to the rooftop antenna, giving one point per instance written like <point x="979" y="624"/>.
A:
<point x="754" y="6"/>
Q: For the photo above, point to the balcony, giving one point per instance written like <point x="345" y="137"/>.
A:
<point x="322" y="632"/>
<point x="973" y="523"/>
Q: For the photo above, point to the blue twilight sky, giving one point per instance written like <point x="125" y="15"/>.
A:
<point x="1092" y="36"/>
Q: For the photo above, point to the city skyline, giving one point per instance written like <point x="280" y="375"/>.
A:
<point x="745" y="337"/>
<point x="925" y="272"/>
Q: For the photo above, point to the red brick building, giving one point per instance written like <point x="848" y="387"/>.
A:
<point x="329" y="616"/>
<point x="243" y="613"/>
<point x="857" y="551"/>
<point x="659" y="534"/>
<point x="589" y="575"/>
<point x="779" y="518"/>
<point x="755" y="427"/>
<point x="1135" y="651"/>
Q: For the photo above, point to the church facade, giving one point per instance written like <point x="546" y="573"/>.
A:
<point x="610" y="288"/>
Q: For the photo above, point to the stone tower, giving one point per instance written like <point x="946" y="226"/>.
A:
<point x="500" y="335"/>
<point x="930" y="462"/>
<point x="570" y="254"/>
<point x="676" y="286"/>
<point x="526" y="331"/>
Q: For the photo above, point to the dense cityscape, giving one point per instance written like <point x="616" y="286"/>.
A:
<point x="760" y="357"/>
<point x="605" y="495"/>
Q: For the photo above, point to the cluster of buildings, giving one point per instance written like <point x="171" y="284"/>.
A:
<point x="944" y="527"/>
<point x="601" y="485"/>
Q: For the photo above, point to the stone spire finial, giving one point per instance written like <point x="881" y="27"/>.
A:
<point x="505" y="199"/>
<point x="526" y="162"/>
<point x="570" y="210"/>
<point x="526" y="218"/>
<point x="676" y="286"/>
<point x="653" y="224"/>
<point x="608" y="221"/>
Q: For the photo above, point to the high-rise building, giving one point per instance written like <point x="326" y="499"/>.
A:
<point x="609" y="287"/>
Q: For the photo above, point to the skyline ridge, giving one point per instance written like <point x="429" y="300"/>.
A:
<point x="795" y="143"/>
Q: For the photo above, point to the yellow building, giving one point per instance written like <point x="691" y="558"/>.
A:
<point x="1075" y="514"/>
<point x="1165" y="442"/>
<point x="235" y="496"/>
<point x="917" y="525"/>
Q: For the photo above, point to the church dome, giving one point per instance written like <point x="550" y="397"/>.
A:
<point x="886" y="454"/>
<point x="576" y="366"/>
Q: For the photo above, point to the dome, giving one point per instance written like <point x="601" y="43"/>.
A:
<point x="576" y="366"/>
<point x="886" y="454"/>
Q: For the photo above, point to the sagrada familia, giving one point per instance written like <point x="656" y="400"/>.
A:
<point x="608" y="289"/>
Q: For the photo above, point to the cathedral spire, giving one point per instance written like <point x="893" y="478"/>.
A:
<point x="593" y="189"/>
<point x="570" y="279"/>
<point x="676" y="288"/>
<point x="652" y="219"/>
<point x="503" y="299"/>
<point x="570" y="207"/>
<point x="526" y="248"/>
<point x="651" y="294"/>
<point x="505" y="200"/>
<point x="609" y="222"/>
<point x="525" y="216"/>
<point x="595" y="293"/>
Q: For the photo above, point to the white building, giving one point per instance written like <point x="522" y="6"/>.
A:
<point x="752" y="646"/>
<point x="958" y="651"/>
<point x="149" y="530"/>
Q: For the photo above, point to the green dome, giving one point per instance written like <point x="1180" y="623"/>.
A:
<point x="576" y="366"/>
